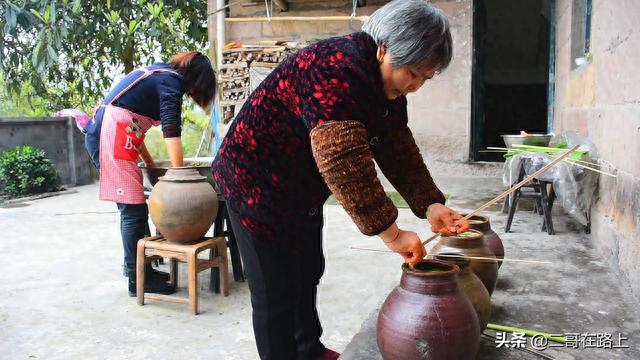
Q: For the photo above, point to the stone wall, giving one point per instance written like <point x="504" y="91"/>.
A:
<point x="439" y="114"/>
<point x="602" y="100"/>
<point x="58" y="137"/>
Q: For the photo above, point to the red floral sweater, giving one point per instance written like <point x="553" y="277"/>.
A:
<point x="313" y="127"/>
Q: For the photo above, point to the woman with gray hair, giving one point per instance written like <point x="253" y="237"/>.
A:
<point x="314" y="127"/>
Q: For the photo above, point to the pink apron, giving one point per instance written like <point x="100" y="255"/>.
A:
<point x="122" y="134"/>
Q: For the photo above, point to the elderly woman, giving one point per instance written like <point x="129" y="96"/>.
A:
<point x="146" y="97"/>
<point x="313" y="127"/>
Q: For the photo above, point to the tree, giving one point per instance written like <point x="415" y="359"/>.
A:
<point x="68" y="52"/>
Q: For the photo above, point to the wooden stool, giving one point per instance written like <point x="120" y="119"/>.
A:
<point x="154" y="246"/>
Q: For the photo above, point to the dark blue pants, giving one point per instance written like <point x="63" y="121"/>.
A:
<point x="283" y="291"/>
<point x="134" y="225"/>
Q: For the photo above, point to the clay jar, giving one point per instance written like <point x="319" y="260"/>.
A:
<point x="491" y="239"/>
<point x="471" y="285"/>
<point x="471" y="243"/>
<point x="428" y="317"/>
<point x="183" y="205"/>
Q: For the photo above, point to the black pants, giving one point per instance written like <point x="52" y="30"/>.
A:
<point x="283" y="291"/>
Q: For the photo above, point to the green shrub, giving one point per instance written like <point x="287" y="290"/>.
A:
<point x="27" y="170"/>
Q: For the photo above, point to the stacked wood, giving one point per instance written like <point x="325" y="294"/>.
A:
<point x="272" y="57"/>
<point x="233" y="75"/>
<point x="233" y="78"/>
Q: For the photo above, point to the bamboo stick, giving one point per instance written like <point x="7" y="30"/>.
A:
<point x="542" y="148"/>
<point x="295" y="18"/>
<point x="576" y="162"/>
<point x="558" y="339"/>
<point x="526" y="261"/>
<point x="590" y="168"/>
<point x="430" y="239"/>
<point x="501" y="149"/>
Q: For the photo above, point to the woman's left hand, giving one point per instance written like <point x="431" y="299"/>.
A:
<point x="445" y="221"/>
<point x="408" y="245"/>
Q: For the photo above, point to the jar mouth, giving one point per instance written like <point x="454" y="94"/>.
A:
<point x="186" y="167"/>
<point x="477" y="219"/>
<point x="432" y="267"/>
<point x="183" y="174"/>
<point x="470" y="234"/>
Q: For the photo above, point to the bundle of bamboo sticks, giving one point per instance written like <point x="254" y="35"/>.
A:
<point x="548" y="150"/>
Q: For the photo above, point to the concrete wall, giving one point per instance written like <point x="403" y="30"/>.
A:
<point x="58" y="137"/>
<point x="439" y="114"/>
<point x="602" y="100"/>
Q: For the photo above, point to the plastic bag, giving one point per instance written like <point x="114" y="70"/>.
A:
<point x="573" y="185"/>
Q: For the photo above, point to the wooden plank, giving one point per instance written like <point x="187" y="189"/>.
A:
<point x="296" y="18"/>
<point x="167" y="246"/>
<point x="168" y="298"/>
<point x="167" y="254"/>
<point x="237" y="90"/>
<point x="281" y="4"/>
<point x="264" y="64"/>
<point x="238" y="65"/>
<point x="233" y="78"/>
<point x="232" y="102"/>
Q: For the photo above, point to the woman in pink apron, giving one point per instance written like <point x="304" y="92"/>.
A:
<point x="146" y="97"/>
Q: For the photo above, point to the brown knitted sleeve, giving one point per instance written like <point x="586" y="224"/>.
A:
<point x="399" y="159"/>
<point x="343" y="156"/>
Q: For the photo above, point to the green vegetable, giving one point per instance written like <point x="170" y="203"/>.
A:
<point x="560" y="148"/>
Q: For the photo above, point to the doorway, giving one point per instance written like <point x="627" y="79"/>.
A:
<point x="510" y="77"/>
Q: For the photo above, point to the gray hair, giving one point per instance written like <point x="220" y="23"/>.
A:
<point x="414" y="32"/>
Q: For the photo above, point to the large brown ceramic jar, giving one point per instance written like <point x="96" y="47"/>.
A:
<point x="183" y="205"/>
<point x="428" y="317"/>
<point x="491" y="239"/>
<point x="471" y="285"/>
<point x="471" y="243"/>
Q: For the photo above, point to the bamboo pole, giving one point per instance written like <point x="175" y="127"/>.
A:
<point x="576" y="162"/>
<point x="526" y="261"/>
<point x="296" y="18"/>
<point x="590" y="168"/>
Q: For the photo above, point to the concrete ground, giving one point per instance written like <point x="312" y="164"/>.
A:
<point x="64" y="296"/>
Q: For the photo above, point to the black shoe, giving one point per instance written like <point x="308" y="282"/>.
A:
<point x="151" y="285"/>
<point x="152" y="272"/>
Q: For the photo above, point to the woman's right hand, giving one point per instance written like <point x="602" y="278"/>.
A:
<point x="408" y="245"/>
